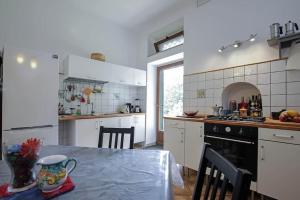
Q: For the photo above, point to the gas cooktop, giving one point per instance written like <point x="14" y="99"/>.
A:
<point x="235" y="118"/>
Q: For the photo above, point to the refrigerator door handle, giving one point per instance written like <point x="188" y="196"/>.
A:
<point x="31" y="127"/>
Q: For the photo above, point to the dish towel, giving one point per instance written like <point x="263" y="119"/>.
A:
<point x="36" y="193"/>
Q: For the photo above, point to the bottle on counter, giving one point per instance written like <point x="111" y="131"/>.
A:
<point x="243" y="104"/>
<point x="78" y="110"/>
<point x="249" y="106"/>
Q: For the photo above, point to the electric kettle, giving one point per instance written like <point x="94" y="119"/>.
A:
<point x="275" y="30"/>
<point x="291" y="28"/>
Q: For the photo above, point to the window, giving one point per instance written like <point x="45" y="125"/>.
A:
<point x="169" y="42"/>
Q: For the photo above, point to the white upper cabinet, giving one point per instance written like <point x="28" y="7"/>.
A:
<point x="84" y="68"/>
<point x="139" y="77"/>
<point x="76" y="67"/>
<point x="122" y="75"/>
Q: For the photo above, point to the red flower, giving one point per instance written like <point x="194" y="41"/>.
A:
<point x="30" y="148"/>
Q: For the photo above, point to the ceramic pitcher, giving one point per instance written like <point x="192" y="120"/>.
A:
<point x="54" y="171"/>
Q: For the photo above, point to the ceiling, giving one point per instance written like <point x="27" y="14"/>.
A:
<point x="128" y="13"/>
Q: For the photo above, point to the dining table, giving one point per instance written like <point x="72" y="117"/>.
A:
<point x="114" y="174"/>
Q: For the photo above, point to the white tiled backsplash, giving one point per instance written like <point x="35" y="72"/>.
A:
<point x="280" y="89"/>
<point x="114" y="95"/>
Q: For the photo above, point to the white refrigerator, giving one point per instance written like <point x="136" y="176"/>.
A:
<point x="29" y="96"/>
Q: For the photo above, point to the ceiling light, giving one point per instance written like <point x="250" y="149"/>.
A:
<point x="33" y="64"/>
<point x="20" y="59"/>
<point x="252" y="37"/>
<point x="237" y="44"/>
<point x="221" y="49"/>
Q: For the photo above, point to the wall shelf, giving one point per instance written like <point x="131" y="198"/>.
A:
<point x="284" y="42"/>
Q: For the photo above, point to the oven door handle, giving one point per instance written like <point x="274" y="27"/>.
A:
<point x="227" y="139"/>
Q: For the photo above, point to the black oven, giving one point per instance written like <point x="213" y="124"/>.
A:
<point x="238" y="144"/>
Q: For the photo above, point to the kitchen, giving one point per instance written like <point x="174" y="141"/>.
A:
<point x="106" y="75"/>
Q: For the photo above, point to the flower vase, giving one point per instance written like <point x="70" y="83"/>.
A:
<point x="21" y="163"/>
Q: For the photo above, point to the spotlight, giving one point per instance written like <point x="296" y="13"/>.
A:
<point x="252" y="37"/>
<point x="221" y="49"/>
<point x="237" y="44"/>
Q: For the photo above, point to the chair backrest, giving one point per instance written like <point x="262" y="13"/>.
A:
<point x="240" y="179"/>
<point x="114" y="134"/>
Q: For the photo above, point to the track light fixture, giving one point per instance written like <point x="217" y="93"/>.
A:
<point x="238" y="43"/>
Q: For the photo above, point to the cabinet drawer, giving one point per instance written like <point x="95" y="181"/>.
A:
<point x="174" y="124"/>
<point x="286" y="136"/>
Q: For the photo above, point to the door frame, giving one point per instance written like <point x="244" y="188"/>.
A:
<point x="159" y="133"/>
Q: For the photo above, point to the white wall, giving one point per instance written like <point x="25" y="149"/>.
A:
<point x="152" y="26"/>
<point x="54" y="26"/>
<point x="219" y="23"/>
<point x="151" y="126"/>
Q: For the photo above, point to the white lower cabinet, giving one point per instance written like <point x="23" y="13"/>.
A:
<point x="279" y="164"/>
<point x="185" y="141"/>
<point x="174" y="139"/>
<point x="194" y="140"/>
<point x="139" y="128"/>
<point x="85" y="132"/>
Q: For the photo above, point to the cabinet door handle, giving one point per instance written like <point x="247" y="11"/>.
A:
<point x="97" y="125"/>
<point x="262" y="153"/>
<point x="182" y="137"/>
<point x="284" y="136"/>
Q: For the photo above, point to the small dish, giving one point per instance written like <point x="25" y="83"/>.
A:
<point x="191" y="113"/>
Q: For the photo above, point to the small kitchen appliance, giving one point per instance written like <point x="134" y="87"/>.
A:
<point x="137" y="107"/>
<point x="275" y="30"/>
<point x="129" y="107"/>
<point x="291" y="28"/>
<point x="217" y="110"/>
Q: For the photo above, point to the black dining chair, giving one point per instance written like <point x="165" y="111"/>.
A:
<point x="239" y="179"/>
<point x="116" y="132"/>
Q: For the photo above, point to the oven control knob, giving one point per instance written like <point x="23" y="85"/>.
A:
<point x="227" y="129"/>
<point x="215" y="129"/>
<point x="241" y="131"/>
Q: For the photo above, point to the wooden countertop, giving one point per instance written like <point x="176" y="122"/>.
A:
<point x="269" y="123"/>
<point x="78" y="117"/>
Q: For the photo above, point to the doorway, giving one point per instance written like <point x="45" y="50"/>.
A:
<point x="169" y="94"/>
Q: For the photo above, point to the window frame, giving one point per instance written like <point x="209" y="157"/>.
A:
<point x="168" y="38"/>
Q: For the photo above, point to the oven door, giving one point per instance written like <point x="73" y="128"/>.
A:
<point x="241" y="153"/>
